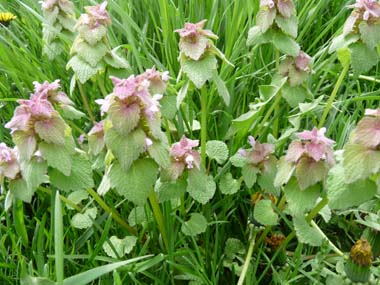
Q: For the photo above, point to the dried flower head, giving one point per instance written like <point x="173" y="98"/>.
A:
<point x="9" y="165"/>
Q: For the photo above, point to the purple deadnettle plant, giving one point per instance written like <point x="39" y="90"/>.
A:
<point x="9" y="165"/>
<point x="296" y="69"/>
<point x="361" y="157"/>
<point x="183" y="157"/>
<point x="197" y="52"/>
<point x="310" y="157"/>
<point x="258" y="160"/>
<point x="90" y="50"/>
<point x="59" y="17"/>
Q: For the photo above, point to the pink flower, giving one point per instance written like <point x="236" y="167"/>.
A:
<point x="267" y="3"/>
<point x="296" y="68"/>
<point x="191" y="31"/>
<point x="303" y="61"/>
<point x="368" y="8"/>
<point x="96" y="138"/>
<point x="9" y="166"/>
<point x="372" y="112"/>
<point x="50" y="90"/>
<point x="183" y="152"/>
<point x="97" y="129"/>
<point x="98" y="15"/>
<point x="314" y="145"/>
<point x="48" y="4"/>
<point x="285" y="8"/>
<point x="259" y="153"/>
<point x="157" y="80"/>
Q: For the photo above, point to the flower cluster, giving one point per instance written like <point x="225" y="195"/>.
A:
<point x="364" y="10"/>
<point x="296" y="68"/>
<point x="259" y="156"/>
<point x="59" y="17"/>
<point x="36" y="119"/>
<point x="367" y="132"/>
<point x="183" y="156"/>
<point x="195" y="41"/>
<point x="131" y="103"/>
<point x="270" y="9"/>
<point x="9" y="165"/>
<point x="312" y="156"/>
<point x="90" y="50"/>
<point x="96" y="138"/>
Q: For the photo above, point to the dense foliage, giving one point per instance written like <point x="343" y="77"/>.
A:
<point x="189" y="142"/>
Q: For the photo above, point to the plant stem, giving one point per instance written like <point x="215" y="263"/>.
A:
<point x="203" y="124"/>
<point x="85" y="102"/>
<point x="334" y="248"/>
<point x="63" y="198"/>
<point x="247" y="259"/>
<point x="159" y="217"/>
<point x="314" y="212"/>
<point x="333" y="95"/>
<point x="109" y="210"/>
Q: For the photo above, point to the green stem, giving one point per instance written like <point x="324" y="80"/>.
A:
<point x="63" y="198"/>
<point x="317" y="209"/>
<point x="247" y="259"/>
<point x="101" y="85"/>
<point x="203" y="124"/>
<point x="269" y="112"/>
<point x="159" y="217"/>
<point x="109" y="210"/>
<point x="333" y="95"/>
<point x="333" y="246"/>
<point x="85" y="102"/>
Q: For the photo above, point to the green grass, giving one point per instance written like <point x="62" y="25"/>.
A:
<point x="144" y="31"/>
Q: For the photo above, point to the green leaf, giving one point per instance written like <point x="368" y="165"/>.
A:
<point x="170" y="189"/>
<point x="222" y="89"/>
<point x="80" y="177"/>
<point x="125" y="148"/>
<point x="137" y="182"/>
<point x="200" y="186"/>
<point x="265" y="18"/>
<point x="341" y="195"/>
<point x="196" y="49"/>
<point x="77" y="197"/>
<point x="195" y="226"/>
<point x="116" y="61"/>
<point x="92" y="54"/>
<point x="138" y="216"/>
<point x="363" y="58"/>
<point x="237" y="160"/>
<point x="284" y="172"/>
<point x="92" y="35"/>
<point x="26" y="144"/>
<point x="299" y="201"/>
<point x="182" y="94"/>
<point x="234" y="248"/>
<point x="51" y="131"/>
<point x="19" y="190"/>
<point x="69" y="112"/>
<point x="360" y="162"/>
<point x="124" y="119"/>
<point x="342" y="41"/>
<point x="310" y="172"/>
<point x="256" y="37"/>
<point x="92" y="274"/>
<point x="266" y="179"/>
<point x="105" y="184"/>
<point x="305" y="233"/>
<point x="85" y="220"/>
<point x="288" y="25"/>
<point x="82" y="69"/>
<point x="293" y="94"/>
<point x="370" y="34"/>
<point x="57" y="156"/>
<point x="228" y="185"/>
<point x="168" y="107"/>
<point x="249" y="173"/>
<point x="159" y="151"/>
<point x="34" y="173"/>
<point x="286" y="44"/>
<point x="200" y="71"/>
<point x="344" y="56"/>
<point x="264" y="214"/>
<point x="217" y="150"/>
<point x="121" y="246"/>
